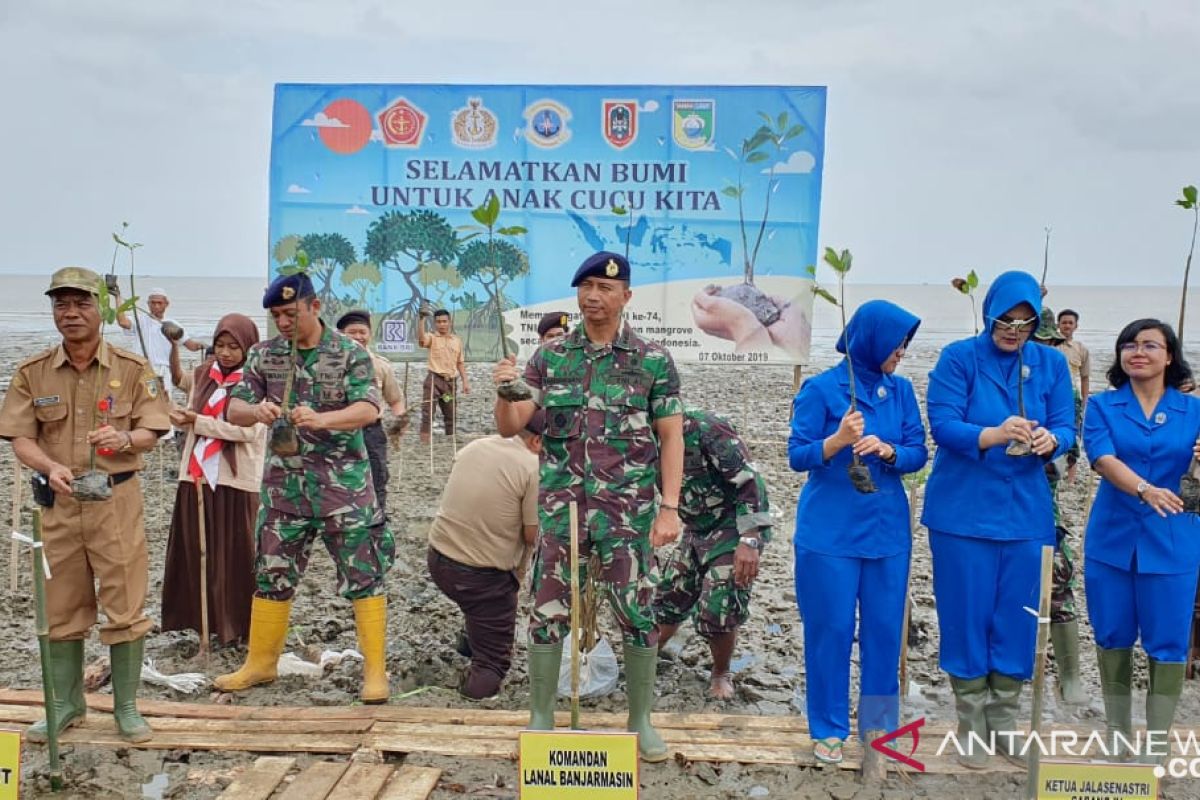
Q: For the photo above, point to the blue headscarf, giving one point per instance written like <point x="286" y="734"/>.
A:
<point x="1008" y="291"/>
<point x="874" y="332"/>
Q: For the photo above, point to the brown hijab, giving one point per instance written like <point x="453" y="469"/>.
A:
<point x="245" y="332"/>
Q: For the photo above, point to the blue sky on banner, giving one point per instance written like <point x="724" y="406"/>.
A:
<point x="956" y="131"/>
<point x="332" y="173"/>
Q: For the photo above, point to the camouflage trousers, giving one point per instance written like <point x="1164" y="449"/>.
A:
<point x="699" y="577"/>
<point x="624" y="579"/>
<point x="1065" y="579"/>
<point x="361" y="552"/>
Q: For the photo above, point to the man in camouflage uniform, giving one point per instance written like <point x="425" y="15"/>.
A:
<point x="613" y="431"/>
<point x="727" y="521"/>
<point x="1064" y="627"/>
<point x="324" y="491"/>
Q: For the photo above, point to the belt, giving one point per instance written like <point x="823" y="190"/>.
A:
<point x="120" y="477"/>
<point x="467" y="567"/>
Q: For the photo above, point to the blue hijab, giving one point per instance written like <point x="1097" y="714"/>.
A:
<point x="874" y="332"/>
<point x="1008" y="291"/>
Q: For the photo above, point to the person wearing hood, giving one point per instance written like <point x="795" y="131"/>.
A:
<point x="852" y="549"/>
<point x="990" y="513"/>
<point x="225" y="461"/>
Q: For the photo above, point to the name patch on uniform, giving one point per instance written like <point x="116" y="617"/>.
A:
<point x="48" y="400"/>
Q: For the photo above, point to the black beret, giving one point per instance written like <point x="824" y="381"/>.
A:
<point x="602" y="265"/>
<point x="555" y="319"/>
<point x="288" y="289"/>
<point x="356" y="317"/>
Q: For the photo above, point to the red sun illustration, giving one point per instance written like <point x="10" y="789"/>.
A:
<point x="357" y="131"/>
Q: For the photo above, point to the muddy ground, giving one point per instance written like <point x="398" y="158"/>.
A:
<point x="422" y="625"/>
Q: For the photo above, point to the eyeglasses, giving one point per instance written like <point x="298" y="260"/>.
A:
<point x="1016" y="325"/>
<point x="1149" y="348"/>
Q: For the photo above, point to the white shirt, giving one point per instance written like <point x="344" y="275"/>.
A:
<point x="158" y="347"/>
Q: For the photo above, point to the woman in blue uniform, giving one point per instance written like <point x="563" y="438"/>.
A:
<point x="852" y="549"/>
<point x="989" y="513"/>
<point x="1142" y="554"/>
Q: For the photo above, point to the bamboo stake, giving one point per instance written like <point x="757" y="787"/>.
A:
<point x="432" y="381"/>
<point x="454" y="414"/>
<point x="13" y="575"/>
<point x="400" y="439"/>
<point x="912" y="528"/>
<point x="575" y="632"/>
<point x="1039" y="665"/>
<point x="203" y="528"/>
<point x="43" y="636"/>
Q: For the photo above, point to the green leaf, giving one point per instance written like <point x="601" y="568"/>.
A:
<point x="511" y="230"/>
<point x="760" y="137"/>
<point x="480" y="215"/>
<point x="127" y="305"/>
<point x="783" y="119"/>
<point x="831" y="258"/>
<point x="1189" y="194"/>
<point x="972" y="279"/>
<point x="620" y="211"/>
<point x="302" y="260"/>
<point x="732" y="191"/>
<point x="846" y="259"/>
<point x="824" y="295"/>
<point x="793" y="132"/>
<point x="757" y="156"/>
<point x="492" y="209"/>
<point x="766" y="117"/>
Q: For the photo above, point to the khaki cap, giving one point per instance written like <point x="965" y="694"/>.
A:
<point x="79" y="278"/>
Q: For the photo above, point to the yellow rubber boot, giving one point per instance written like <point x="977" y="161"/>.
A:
<point x="268" y="629"/>
<point x="370" y="616"/>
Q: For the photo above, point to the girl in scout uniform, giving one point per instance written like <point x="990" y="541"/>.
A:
<point x="852" y="549"/>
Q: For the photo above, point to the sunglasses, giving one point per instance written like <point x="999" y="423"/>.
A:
<point x="1015" y="325"/>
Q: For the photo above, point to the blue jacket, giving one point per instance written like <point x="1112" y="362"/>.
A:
<point x="986" y="494"/>
<point x="1158" y="449"/>
<point x="831" y="517"/>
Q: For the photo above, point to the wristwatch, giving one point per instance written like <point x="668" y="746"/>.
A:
<point x="750" y="541"/>
<point x="125" y="448"/>
<point x="1142" y="487"/>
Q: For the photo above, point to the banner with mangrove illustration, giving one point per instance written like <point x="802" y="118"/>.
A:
<point x="483" y="200"/>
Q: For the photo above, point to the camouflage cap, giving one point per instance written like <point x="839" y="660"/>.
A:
<point x="1047" y="328"/>
<point x="78" y="278"/>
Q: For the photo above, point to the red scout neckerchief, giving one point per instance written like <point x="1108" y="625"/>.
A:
<point x="206" y="455"/>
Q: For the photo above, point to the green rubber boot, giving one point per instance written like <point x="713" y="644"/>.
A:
<point x="1116" y="680"/>
<point x="970" y="702"/>
<point x="640" y="666"/>
<point x="1001" y="717"/>
<point x="1166" y="684"/>
<point x="545" y="660"/>
<point x="1064" y="636"/>
<point x="66" y="674"/>
<point x="126" y="659"/>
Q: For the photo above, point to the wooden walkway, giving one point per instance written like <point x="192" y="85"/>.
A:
<point x="459" y="732"/>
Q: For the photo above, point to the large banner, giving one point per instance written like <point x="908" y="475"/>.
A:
<point x="713" y="192"/>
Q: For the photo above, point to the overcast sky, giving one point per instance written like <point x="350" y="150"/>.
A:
<point x="956" y="130"/>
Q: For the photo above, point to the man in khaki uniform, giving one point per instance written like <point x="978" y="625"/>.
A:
<point x="446" y="361"/>
<point x="357" y="325"/>
<point x="79" y="395"/>
<point x="1079" y="359"/>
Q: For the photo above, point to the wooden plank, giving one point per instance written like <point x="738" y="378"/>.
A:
<point x="220" y="740"/>
<point x="258" y="782"/>
<point x="411" y="783"/>
<point x="361" y="782"/>
<point x="14" y="713"/>
<point x="315" y="782"/>
<point x="444" y="746"/>
<point x="736" y="737"/>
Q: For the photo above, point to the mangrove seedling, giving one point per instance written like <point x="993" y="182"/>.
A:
<point x="283" y="439"/>
<point x="860" y="474"/>
<point x="1188" y="202"/>
<point x="130" y="247"/>
<point x="1019" y="447"/>
<point x="487" y="215"/>
<point x="967" y="286"/>
<point x="766" y="144"/>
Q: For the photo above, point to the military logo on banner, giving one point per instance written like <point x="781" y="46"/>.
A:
<point x="402" y="124"/>
<point x="474" y="125"/>
<point x="620" y="122"/>
<point x="694" y="123"/>
<point x="546" y="123"/>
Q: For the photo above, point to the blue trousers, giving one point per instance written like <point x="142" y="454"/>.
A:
<point x="984" y="589"/>
<point x="1123" y="603"/>
<point x="829" y="590"/>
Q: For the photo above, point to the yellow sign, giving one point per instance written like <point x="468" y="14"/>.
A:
<point x="1065" y="780"/>
<point x="10" y="764"/>
<point x="578" y="765"/>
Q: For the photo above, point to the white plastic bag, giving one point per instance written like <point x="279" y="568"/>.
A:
<point x="598" y="670"/>
<point x="185" y="682"/>
<point x="292" y="664"/>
